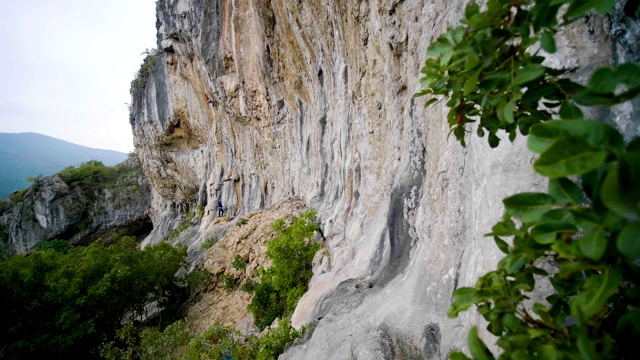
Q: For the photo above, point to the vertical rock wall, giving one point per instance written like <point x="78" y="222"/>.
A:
<point x="314" y="99"/>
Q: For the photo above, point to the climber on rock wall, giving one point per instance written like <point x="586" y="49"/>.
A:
<point x="206" y="98"/>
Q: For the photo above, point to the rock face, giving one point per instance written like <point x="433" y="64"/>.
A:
<point x="52" y="209"/>
<point x="314" y="99"/>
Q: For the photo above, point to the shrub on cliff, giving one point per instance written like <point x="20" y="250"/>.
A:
<point x="89" y="175"/>
<point x="93" y="175"/>
<point x="146" y="67"/>
<point x="61" y="305"/>
<point x="284" y="283"/>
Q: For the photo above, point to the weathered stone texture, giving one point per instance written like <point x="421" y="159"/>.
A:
<point x="314" y="99"/>
<point x="53" y="210"/>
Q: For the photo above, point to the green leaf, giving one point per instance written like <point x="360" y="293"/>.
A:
<point x="512" y="263"/>
<point x="528" y="206"/>
<point x="458" y="355"/>
<point x="579" y="8"/>
<point x="597" y="134"/>
<point x="596" y="291"/>
<point x="604" y="6"/>
<point x="548" y="42"/>
<point x="543" y="312"/>
<point x="634" y="145"/>
<point x="614" y="197"/>
<point x="463" y="298"/>
<point x="430" y="102"/>
<point x="494" y="141"/>
<point x="477" y="348"/>
<point x="586" y="346"/>
<point x="628" y="241"/>
<point x="438" y="48"/>
<point x="593" y="245"/>
<point x="565" y="191"/>
<point x="504" y="228"/>
<point x="569" y="156"/>
<point x="472" y="61"/>
<point x="568" y="251"/>
<point x="606" y="80"/>
<point x="546" y="233"/>
<point x="502" y="245"/>
<point x="557" y="215"/>
<point x="528" y="73"/>
<point x="549" y="352"/>
<point x="507" y="112"/>
<point x="569" y="111"/>
<point x="471" y="9"/>
<point x="470" y="84"/>
<point x="569" y="268"/>
<point x="629" y="324"/>
<point x="588" y="97"/>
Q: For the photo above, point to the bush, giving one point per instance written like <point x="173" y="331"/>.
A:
<point x="221" y="342"/>
<point x="284" y="283"/>
<point x="56" y="245"/>
<point x="146" y="68"/>
<point x="5" y="205"/>
<point x="274" y="342"/>
<point x="5" y="251"/>
<point x="18" y="196"/>
<point x="239" y="263"/>
<point x="184" y="225"/>
<point x="241" y="221"/>
<point x="209" y="242"/>
<point x="228" y="281"/>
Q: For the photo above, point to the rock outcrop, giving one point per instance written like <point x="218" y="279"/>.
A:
<point x="53" y="209"/>
<point x="248" y="241"/>
<point x="314" y="99"/>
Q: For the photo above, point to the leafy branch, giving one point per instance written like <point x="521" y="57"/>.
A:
<point x="586" y="227"/>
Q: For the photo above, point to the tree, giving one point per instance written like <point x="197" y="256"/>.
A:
<point x="68" y="304"/>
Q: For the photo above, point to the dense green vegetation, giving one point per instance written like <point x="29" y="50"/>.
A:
<point x="27" y="155"/>
<point x="586" y="226"/>
<point x="66" y="304"/>
<point x="287" y="279"/>
<point x="93" y="175"/>
<point x="216" y="343"/>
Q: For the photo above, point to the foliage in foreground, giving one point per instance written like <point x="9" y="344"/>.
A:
<point x="58" y="304"/>
<point x="283" y="284"/>
<point x="587" y="225"/>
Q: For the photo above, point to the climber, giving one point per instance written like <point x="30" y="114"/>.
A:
<point x="206" y="98"/>
<point x="220" y="208"/>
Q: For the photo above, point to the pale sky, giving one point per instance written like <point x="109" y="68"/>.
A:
<point x="66" y="67"/>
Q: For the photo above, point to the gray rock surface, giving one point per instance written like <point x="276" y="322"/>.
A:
<point x="314" y="99"/>
<point x="53" y="210"/>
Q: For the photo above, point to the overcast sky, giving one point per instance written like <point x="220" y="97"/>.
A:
<point x="66" y="67"/>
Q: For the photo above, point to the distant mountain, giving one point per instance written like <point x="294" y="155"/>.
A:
<point x="24" y="155"/>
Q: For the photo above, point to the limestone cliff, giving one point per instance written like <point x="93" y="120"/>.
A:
<point x="54" y="209"/>
<point x="314" y="99"/>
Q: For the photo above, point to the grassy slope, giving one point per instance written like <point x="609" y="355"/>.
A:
<point x="25" y="155"/>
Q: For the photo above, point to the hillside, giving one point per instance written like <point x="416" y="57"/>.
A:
<point x="24" y="155"/>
